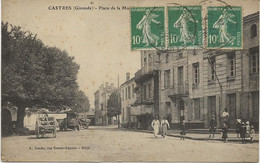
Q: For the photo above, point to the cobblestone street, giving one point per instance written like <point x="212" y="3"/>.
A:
<point x="112" y="144"/>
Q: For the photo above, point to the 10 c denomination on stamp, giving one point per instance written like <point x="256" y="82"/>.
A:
<point x="185" y="27"/>
<point x="224" y="27"/>
<point x="147" y="28"/>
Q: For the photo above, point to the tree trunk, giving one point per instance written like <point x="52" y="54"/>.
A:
<point x="20" y="117"/>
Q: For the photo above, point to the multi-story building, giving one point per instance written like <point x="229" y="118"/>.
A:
<point x="181" y="93"/>
<point x="250" y="69"/>
<point x="101" y="99"/>
<point x="147" y="89"/>
<point x="196" y="84"/>
<point x="128" y="98"/>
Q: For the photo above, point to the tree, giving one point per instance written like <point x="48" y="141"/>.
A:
<point x="36" y="75"/>
<point x="114" y="105"/>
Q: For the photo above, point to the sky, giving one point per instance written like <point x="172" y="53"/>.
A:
<point x="99" y="39"/>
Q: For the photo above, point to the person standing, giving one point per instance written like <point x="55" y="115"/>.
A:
<point x="224" y="132"/>
<point x="155" y="125"/>
<point x="212" y="127"/>
<point x="247" y="129"/>
<point x="183" y="130"/>
<point x="169" y="118"/>
<point x="243" y="132"/>
<point x="164" y="125"/>
<point x="225" y="116"/>
<point x="238" y="126"/>
<point x="252" y="133"/>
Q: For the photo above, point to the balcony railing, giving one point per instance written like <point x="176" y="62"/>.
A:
<point x="144" y="73"/>
<point x="180" y="89"/>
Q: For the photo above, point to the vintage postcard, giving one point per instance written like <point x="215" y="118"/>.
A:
<point x="130" y="81"/>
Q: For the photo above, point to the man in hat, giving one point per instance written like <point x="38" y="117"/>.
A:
<point x="212" y="126"/>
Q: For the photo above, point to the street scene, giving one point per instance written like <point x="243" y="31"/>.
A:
<point x="110" y="143"/>
<point x="123" y="81"/>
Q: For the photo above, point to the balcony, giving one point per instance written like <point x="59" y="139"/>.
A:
<point x="178" y="90"/>
<point x="144" y="74"/>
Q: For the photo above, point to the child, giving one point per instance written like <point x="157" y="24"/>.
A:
<point x="247" y="129"/>
<point x="224" y="130"/>
<point x="212" y="128"/>
<point x="183" y="130"/>
<point x="252" y="133"/>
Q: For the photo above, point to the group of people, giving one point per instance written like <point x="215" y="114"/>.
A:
<point x="243" y="129"/>
<point x="157" y="125"/>
<point x="164" y="125"/>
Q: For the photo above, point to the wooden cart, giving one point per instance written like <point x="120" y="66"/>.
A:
<point x="45" y="124"/>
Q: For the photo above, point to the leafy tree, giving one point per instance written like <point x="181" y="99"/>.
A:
<point x="114" y="104"/>
<point x="36" y="75"/>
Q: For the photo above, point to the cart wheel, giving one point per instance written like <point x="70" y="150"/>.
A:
<point x="54" y="133"/>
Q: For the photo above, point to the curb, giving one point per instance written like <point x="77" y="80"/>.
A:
<point x="187" y="137"/>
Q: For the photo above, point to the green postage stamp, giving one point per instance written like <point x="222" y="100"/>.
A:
<point x="147" y="28"/>
<point x="185" y="27"/>
<point x="224" y="27"/>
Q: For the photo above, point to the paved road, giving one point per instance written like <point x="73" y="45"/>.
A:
<point x="112" y="144"/>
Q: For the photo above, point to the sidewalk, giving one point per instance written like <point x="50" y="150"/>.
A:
<point x="200" y="136"/>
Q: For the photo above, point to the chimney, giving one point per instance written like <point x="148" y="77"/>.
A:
<point x="127" y="76"/>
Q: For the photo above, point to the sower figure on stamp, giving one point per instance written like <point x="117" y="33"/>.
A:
<point x="164" y="125"/>
<point x="222" y="25"/>
<point x="155" y="125"/>
<point x="183" y="24"/>
<point x="212" y="126"/>
<point x="145" y="25"/>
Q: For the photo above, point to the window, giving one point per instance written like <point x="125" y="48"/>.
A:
<point x="133" y="93"/>
<point x="254" y="60"/>
<point x="194" y="52"/>
<point x="123" y="95"/>
<point x="144" y="92"/>
<point x="212" y="68"/>
<point x="253" y="31"/>
<point x="145" y="62"/>
<point x="129" y="92"/>
<point x="166" y="79"/>
<point x="196" y="109"/>
<point x="149" y="90"/>
<point x="180" y="55"/>
<point x="173" y="77"/>
<point x="196" y="73"/>
<point x="167" y="58"/>
<point x="231" y="65"/>
<point x="126" y="93"/>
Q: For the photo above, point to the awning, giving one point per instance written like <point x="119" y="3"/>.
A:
<point x="141" y="110"/>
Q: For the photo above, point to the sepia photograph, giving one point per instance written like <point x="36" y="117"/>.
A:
<point x="130" y="81"/>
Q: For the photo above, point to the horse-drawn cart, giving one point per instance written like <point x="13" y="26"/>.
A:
<point x="45" y="124"/>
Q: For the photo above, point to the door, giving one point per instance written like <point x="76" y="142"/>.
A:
<point x="232" y="110"/>
<point x="211" y="106"/>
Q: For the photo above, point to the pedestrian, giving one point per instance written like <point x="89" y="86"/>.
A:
<point x="212" y="126"/>
<point x="224" y="132"/>
<point x="238" y="126"/>
<point x="183" y="130"/>
<point x="243" y="132"/>
<point x="169" y="118"/>
<point x="247" y="129"/>
<point x="164" y="125"/>
<point x="252" y="133"/>
<point x="225" y="116"/>
<point x="155" y="125"/>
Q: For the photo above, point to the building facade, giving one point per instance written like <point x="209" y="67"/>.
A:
<point x="128" y="98"/>
<point x="101" y="98"/>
